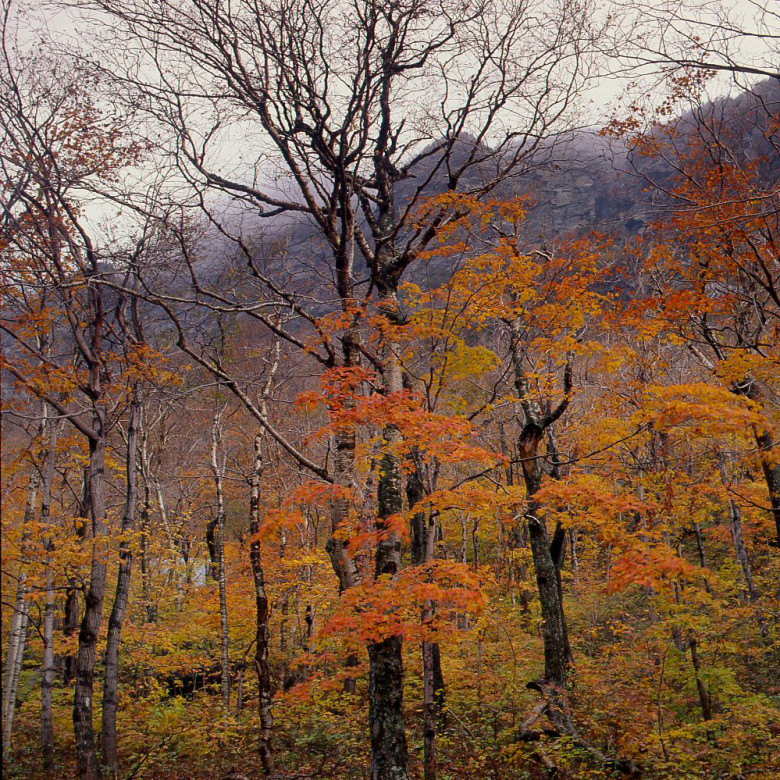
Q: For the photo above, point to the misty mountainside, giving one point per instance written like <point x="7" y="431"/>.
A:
<point x="575" y="183"/>
<point x="587" y="180"/>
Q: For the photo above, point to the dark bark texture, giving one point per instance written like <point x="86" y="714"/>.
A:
<point x="547" y="558"/>
<point x="83" y="697"/>
<point x="262" y="667"/>
<point x="389" y="758"/>
<point x="109" y="738"/>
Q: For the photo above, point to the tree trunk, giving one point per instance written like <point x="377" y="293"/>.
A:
<point x="557" y="657"/>
<point x="771" y="471"/>
<point x="111" y="679"/>
<point x="212" y="532"/>
<point x="17" y="638"/>
<point x="735" y="521"/>
<point x="48" y="674"/>
<point x="429" y="711"/>
<point x="433" y="680"/>
<point x="342" y="562"/>
<point x="439" y="691"/>
<point x="217" y="471"/>
<point x="423" y="537"/>
<point x="385" y="711"/>
<point x="700" y="550"/>
<point x="750" y="389"/>
<point x="72" y="602"/>
<point x="704" y="698"/>
<point x="343" y="468"/>
<point x="575" y="564"/>
<point x="14" y="657"/>
<point x="284" y="611"/>
<point x="557" y="653"/>
<point x="48" y="669"/>
<point x="475" y="543"/>
<point x="150" y="608"/>
<point x="306" y="644"/>
<point x="83" y="698"/>
<point x="262" y="635"/>
<point x="389" y="758"/>
<point x="240" y="690"/>
<point x="70" y="625"/>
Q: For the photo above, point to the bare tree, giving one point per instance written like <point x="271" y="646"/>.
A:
<point x="736" y="37"/>
<point x="350" y="114"/>
<point x="49" y="254"/>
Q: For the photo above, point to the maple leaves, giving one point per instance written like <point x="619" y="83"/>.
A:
<point x="390" y="607"/>
<point x="652" y="406"/>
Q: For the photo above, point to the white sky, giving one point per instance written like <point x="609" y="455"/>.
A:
<point x="599" y="102"/>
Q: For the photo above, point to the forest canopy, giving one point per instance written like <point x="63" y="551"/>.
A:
<point x="369" y="409"/>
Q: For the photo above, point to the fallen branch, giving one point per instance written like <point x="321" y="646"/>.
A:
<point x="555" y="706"/>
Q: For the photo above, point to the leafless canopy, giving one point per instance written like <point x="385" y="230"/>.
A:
<point x="738" y="37"/>
<point x="321" y="107"/>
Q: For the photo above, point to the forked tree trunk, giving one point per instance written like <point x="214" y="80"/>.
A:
<point x="111" y="679"/>
<point x="546" y="558"/>
<point x="547" y="555"/>
<point x="262" y="666"/>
